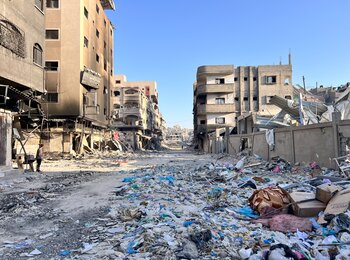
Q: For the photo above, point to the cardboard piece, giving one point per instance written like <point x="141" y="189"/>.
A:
<point x="325" y="192"/>
<point x="306" y="209"/>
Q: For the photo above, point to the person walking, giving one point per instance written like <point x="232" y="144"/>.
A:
<point x="39" y="157"/>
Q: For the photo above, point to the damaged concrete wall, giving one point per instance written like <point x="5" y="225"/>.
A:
<point x="5" y="138"/>
<point x="316" y="142"/>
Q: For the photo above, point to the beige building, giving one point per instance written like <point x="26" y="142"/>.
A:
<point x="136" y="111"/>
<point x="79" y="60"/>
<point x="224" y="93"/>
<point x="22" y="44"/>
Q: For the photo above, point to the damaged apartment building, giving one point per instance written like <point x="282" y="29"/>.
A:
<point x="78" y="75"/>
<point x="22" y="45"/>
<point x="136" y="113"/>
<point x="224" y="93"/>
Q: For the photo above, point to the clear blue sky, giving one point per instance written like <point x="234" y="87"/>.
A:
<point x="166" y="40"/>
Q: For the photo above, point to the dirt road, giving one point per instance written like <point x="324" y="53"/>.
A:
<point x="49" y="215"/>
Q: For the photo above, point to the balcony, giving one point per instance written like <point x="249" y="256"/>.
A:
<point x="132" y="111"/>
<point x="211" y="127"/>
<point x="132" y="98"/>
<point x="108" y="4"/>
<point x="214" y="108"/>
<point x="215" y="88"/>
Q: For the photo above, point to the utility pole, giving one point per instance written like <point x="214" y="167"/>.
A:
<point x="304" y="84"/>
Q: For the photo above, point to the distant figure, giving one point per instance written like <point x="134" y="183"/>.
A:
<point x="39" y="157"/>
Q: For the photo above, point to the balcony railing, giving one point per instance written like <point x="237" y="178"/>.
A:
<point x="215" y="88"/>
<point x="215" y="108"/>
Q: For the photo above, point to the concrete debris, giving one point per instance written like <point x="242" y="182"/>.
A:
<point x="223" y="207"/>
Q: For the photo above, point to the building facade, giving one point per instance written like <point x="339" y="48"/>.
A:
<point x="136" y="111"/>
<point x="224" y="93"/>
<point x="22" y="44"/>
<point x="79" y="60"/>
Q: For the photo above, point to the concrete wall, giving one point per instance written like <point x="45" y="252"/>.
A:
<point x="5" y="138"/>
<point x="316" y="142"/>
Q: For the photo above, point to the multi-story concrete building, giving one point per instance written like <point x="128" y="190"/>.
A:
<point x="224" y="93"/>
<point x="22" y="44"/>
<point x="135" y="110"/>
<point x="79" y="64"/>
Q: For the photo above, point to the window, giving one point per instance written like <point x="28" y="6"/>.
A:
<point x="104" y="111"/>
<point x="254" y="78"/>
<point x="97" y="58"/>
<point x="116" y="93"/>
<point x="219" y="81"/>
<point x="104" y="44"/>
<point x="236" y="99"/>
<point x="51" y="97"/>
<point x="52" y="34"/>
<point x="97" y="9"/>
<point x="288" y="97"/>
<point x="37" y="54"/>
<point x="271" y="79"/>
<point x="86" y="13"/>
<point x="117" y="81"/>
<point x="245" y="98"/>
<point x="245" y="78"/>
<point x="255" y="98"/>
<point x="286" y="81"/>
<point x="220" y="120"/>
<point x="219" y="101"/>
<point x="202" y="122"/>
<point x="236" y="79"/>
<point x="51" y="65"/>
<point x="97" y="34"/>
<point x="86" y="42"/>
<point x="39" y="4"/>
<point x="105" y="90"/>
<point x="52" y="3"/>
<point x="105" y="65"/>
<point x="12" y="38"/>
<point x="105" y="23"/>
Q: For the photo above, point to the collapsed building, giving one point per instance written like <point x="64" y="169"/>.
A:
<point x="136" y="113"/>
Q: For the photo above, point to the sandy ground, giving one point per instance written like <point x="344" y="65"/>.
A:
<point x="51" y="208"/>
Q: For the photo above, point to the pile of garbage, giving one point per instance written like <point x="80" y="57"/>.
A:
<point x="234" y="208"/>
<point x="249" y="209"/>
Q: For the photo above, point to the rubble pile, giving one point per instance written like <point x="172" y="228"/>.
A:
<point x="233" y="208"/>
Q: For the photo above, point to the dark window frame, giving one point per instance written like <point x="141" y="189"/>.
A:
<point x="47" y="31"/>
<point x="37" y="54"/>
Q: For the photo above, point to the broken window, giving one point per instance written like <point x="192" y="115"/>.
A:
<point x="52" y="34"/>
<point x="97" y="9"/>
<point x="51" y="65"/>
<point x="255" y="98"/>
<point x="236" y="79"/>
<point x="245" y="78"/>
<point x="86" y="13"/>
<point x="254" y="78"/>
<point x="245" y="98"/>
<point x="288" y="97"/>
<point x="104" y="45"/>
<point x="116" y="93"/>
<point x="52" y="3"/>
<point x="219" y="81"/>
<point x="105" y="90"/>
<point x="51" y="97"/>
<point x="220" y="101"/>
<point x="271" y="79"/>
<point x="105" y="64"/>
<point x="39" y="4"/>
<point x="12" y="38"/>
<point x="236" y="98"/>
<point x="37" y="54"/>
<point x="97" y="58"/>
<point x="286" y="81"/>
<point x="97" y="34"/>
<point x="202" y="122"/>
<point x="117" y="82"/>
<point x="86" y="42"/>
<point x="220" y="120"/>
